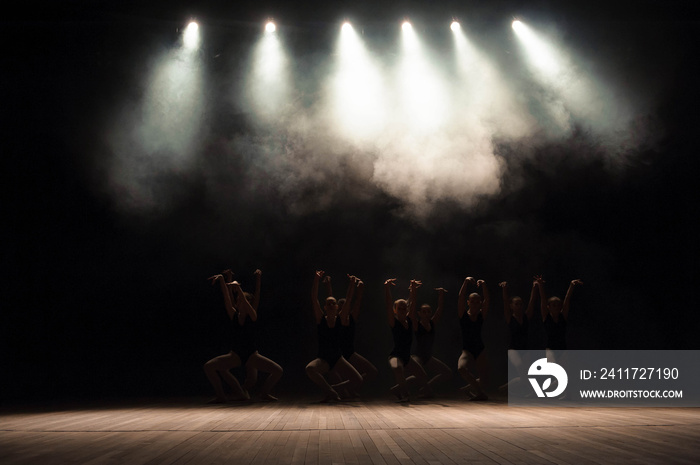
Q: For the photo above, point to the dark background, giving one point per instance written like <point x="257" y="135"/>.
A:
<point x="99" y="300"/>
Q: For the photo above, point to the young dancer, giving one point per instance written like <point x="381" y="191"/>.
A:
<point x="518" y="322"/>
<point x="425" y="338"/>
<point x="243" y="317"/>
<point x="555" y="314"/>
<point x="401" y="316"/>
<point x="346" y="334"/>
<point x="218" y="367"/>
<point x="330" y="357"/>
<point x="471" y="319"/>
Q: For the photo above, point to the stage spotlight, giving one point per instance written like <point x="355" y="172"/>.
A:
<point x="268" y="81"/>
<point x="406" y="26"/>
<point x="356" y="89"/>
<point x="455" y="26"/>
<point x="191" y="35"/>
<point x="543" y="55"/>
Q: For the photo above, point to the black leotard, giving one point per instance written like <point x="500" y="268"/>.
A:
<point x="328" y="347"/>
<point x="556" y="332"/>
<point x="471" y="334"/>
<point x="346" y="338"/>
<point x="243" y="340"/>
<point x="518" y="333"/>
<point x="424" y="342"/>
<point x="403" y="338"/>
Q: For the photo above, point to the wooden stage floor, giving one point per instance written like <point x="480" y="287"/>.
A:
<point x="295" y="432"/>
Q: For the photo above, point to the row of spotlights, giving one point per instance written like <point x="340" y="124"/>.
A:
<point x="406" y="26"/>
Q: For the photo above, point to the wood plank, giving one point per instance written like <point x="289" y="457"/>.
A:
<point x="364" y="432"/>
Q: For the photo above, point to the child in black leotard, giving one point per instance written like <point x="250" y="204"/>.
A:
<point x="401" y="316"/>
<point x="471" y="321"/>
<point x="346" y="334"/>
<point x="518" y="326"/>
<point x="555" y="314"/>
<point x="219" y="367"/>
<point x="425" y="337"/>
<point x="255" y="361"/>
<point x="330" y="357"/>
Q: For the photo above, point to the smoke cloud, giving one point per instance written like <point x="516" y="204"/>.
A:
<point x="297" y="139"/>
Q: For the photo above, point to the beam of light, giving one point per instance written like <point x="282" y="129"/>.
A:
<point x="542" y="55"/>
<point x="190" y="36"/>
<point x="268" y="80"/>
<point x="160" y="136"/>
<point x="481" y="96"/>
<point x="357" y="88"/>
<point x="568" y="93"/>
<point x="422" y="93"/>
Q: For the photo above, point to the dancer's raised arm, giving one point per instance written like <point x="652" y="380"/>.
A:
<point x="413" y="298"/>
<point x="567" y="298"/>
<point x="318" y="313"/>
<point x="389" y="301"/>
<point x="345" y="309"/>
<point x="228" y="304"/>
<point x="441" y="303"/>
<point x="256" y="297"/>
<point x="243" y="306"/>
<point x="355" y="312"/>
<point x="544" y="308"/>
<point x="487" y="298"/>
<point x="328" y="285"/>
<point x="530" y="311"/>
<point x="462" y="300"/>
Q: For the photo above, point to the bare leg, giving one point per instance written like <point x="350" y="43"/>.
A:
<point x="217" y="368"/>
<point x="400" y="389"/>
<point x="348" y="372"/>
<point x="315" y="371"/>
<point x="256" y="363"/>
<point x="482" y="368"/>
<point x="443" y="372"/>
<point x="415" y="371"/>
<point x="464" y="366"/>
<point x="364" y="367"/>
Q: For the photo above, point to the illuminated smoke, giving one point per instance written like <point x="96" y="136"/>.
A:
<point x="416" y="124"/>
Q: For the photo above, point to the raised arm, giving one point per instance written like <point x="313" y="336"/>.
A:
<point x="228" y="304"/>
<point x="531" y="303"/>
<point x="441" y="304"/>
<point x="507" y="313"/>
<point x="244" y="307"/>
<point x="389" y="301"/>
<point x="256" y="296"/>
<point x="462" y="300"/>
<point x="543" y="297"/>
<point x="486" y="303"/>
<point x="413" y="298"/>
<point x="345" y="310"/>
<point x="329" y="286"/>
<point x="567" y="299"/>
<point x="318" y="313"/>
<point x="355" y="312"/>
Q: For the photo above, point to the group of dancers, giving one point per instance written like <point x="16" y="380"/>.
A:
<point x="341" y="372"/>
